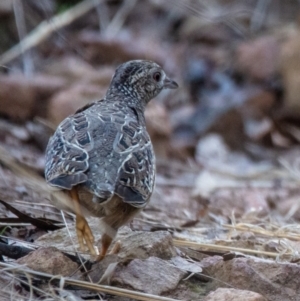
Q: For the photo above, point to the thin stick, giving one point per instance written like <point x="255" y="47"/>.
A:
<point x="21" y="27"/>
<point x="276" y="234"/>
<point x="119" y="18"/>
<point x="46" y="28"/>
<point x="259" y="15"/>
<point x="191" y="244"/>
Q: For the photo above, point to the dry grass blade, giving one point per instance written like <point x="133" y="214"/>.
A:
<point x="86" y="285"/>
<point x="32" y="179"/>
<point x="21" y="27"/>
<point x="29" y="176"/>
<point x="212" y="247"/>
<point x="258" y="230"/>
<point x="120" y="17"/>
<point x="46" y="28"/>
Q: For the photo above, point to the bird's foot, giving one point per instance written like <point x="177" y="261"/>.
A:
<point x="84" y="234"/>
<point x="116" y="248"/>
<point x="105" y="241"/>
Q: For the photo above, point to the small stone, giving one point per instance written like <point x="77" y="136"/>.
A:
<point x="276" y="281"/>
<point x="231" y="294"/>
<point x="152" y="275"/>
<point x="185" y="265"/>
<point x="145" y="244"/>
<point x="49" y="260"/>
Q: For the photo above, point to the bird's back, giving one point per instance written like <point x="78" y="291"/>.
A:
<point x="106" y="150"/>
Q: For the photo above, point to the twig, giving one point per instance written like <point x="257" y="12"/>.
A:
<point x="119" y="18"/>
<point x="90" y="286"/>
<point x="14" y="252"/>
<point x="41" y="224"/>
<point x="252" y="228"/>
<point x="46" y="28"/>
<point x="103" y="13"/>
<point x="259" y="14"/>
<point x="215" y="14"/>
<point x="21" y="27"/>
<point x="191" y="244"/>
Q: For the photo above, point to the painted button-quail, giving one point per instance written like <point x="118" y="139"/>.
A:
<point x="102" y="155"/>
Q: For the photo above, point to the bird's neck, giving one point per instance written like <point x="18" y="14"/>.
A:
<point x="128" y="97"/>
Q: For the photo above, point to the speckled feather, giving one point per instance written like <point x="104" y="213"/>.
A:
<point x="107" y="148"/>
<point x="104" y="148"/>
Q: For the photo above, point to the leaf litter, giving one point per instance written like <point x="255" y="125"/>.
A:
<point x="225" y="211"/>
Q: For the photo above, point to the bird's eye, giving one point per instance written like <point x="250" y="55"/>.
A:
<point x="157" y="76"/>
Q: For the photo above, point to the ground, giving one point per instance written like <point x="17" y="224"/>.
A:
<point x="223" y="221"/>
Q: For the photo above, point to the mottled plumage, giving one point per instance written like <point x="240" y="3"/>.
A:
<point x="104" y="152"/>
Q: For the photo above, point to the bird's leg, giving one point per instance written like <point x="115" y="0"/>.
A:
<point x="111" y="224"/>
<point x="83" y="230"/>
<point x="105" y="242"/>
<point x="116" y="248"/>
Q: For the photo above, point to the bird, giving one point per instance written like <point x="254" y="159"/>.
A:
<point x="102" y="155"/>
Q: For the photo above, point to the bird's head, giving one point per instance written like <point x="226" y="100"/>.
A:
<point x="141" y="80"/>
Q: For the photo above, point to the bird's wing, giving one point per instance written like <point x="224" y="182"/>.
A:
<point x="106" y="150"/>
<point x="136" y="175"/>
<point x="122" y="160"/>
<point x="67" y="156"/>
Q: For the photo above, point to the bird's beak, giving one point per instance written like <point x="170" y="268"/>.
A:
<point x="170" y="84"/>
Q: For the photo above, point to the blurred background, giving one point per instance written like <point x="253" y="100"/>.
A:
<point x="227" y="141"/>
<point x="234" y="121"/>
